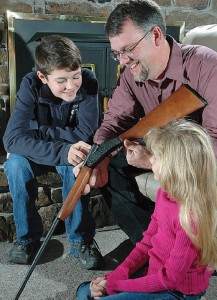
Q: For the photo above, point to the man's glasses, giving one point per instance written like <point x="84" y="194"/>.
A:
<point x="125" y="52"/>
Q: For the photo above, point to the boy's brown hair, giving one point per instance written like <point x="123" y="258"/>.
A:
<point x="56" y="52"/>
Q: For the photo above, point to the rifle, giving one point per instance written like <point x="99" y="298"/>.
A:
<point x="181" y="103"/>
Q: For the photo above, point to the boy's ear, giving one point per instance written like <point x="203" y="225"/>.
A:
<point x="42" y="77"/>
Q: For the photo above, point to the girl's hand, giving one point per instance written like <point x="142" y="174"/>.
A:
<point x="98" y="287"/>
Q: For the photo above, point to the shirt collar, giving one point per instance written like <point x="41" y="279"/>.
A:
<point x="175" y="65"/>
<point x="174" y="70"/>
<point x="46" y="94"/>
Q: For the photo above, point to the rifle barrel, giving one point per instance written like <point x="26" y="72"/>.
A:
<point x="40" y="251"/>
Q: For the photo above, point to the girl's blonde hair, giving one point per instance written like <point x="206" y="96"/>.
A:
<point x="188" y="173"/>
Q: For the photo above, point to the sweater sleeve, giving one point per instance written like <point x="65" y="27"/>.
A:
<point x="136" y="259"/>
<point x="177" y="265"/>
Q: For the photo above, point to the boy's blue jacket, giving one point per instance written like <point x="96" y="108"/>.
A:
<point x="42" y="127"/>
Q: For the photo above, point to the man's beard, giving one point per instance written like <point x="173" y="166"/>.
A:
<point x="143" y="76"/>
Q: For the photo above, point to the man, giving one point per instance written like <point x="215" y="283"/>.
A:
<point x="154" y="66"/>
<point x="56" y="114"/>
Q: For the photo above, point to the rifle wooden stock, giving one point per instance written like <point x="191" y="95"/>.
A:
<point x="181" y="103"/>
<point x="75" y="193"/>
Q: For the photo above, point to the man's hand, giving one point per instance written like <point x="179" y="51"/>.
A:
<point x="99" y="176"/>
<point x="98" y="287"/>
<point x="78" y="152"/>
<point x="137" y="155"/>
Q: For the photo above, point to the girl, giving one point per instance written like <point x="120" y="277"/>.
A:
<point x="180" y="243"/>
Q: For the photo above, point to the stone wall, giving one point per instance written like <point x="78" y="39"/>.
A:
<point x="193" y="12"/>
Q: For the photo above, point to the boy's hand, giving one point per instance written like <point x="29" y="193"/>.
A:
<point x="98" y="287"/>
<point x="137" y="155"/>
<point x="78" y="152"/>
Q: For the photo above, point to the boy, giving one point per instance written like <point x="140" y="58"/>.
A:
<point x="55" y="116"/>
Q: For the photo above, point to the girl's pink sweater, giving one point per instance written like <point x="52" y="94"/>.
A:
<point x="173" y="259"/>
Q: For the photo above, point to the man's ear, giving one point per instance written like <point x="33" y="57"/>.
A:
<point x="158" y="35"/>
<point x="42" y="77"/>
